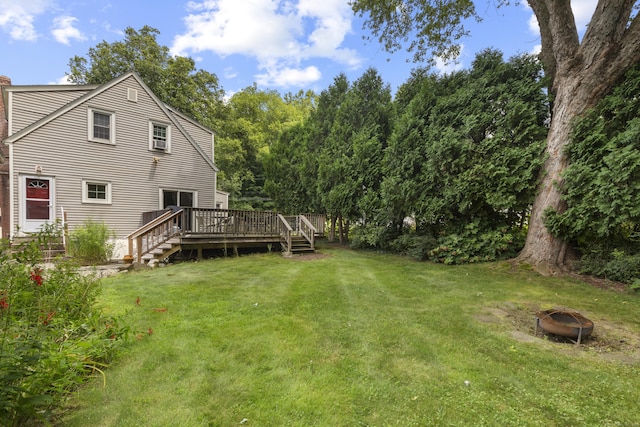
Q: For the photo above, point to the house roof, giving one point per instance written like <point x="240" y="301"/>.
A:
<point x="96" y="90"/>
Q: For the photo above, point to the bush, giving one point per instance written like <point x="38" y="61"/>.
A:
<point x="370" y="236"/>
<point x="414" y="245"/>
<point x="51" y="335"/>
<point x="91" y="243"/>
<point x="616" y="265"/>
<point x="476" y="245"/>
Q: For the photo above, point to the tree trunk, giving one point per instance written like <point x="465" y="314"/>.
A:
<point x="332" y="228"/>
<point x="544" y="251"/>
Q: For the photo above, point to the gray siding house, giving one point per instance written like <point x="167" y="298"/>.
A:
<point x="108" y="152"/>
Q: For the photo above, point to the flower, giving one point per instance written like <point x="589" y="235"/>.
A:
<point x="3" y="303"/>
<point x="36" y="277"/>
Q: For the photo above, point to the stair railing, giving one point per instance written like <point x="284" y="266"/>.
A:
<point x="307" y="230"/>
<point x="285" y="232"/>
<point x="154" y="233"/>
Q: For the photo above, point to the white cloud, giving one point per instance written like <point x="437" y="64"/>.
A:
<point x="289" y="77"/>
<point x="17" y="18"/>
<point x="230" y="73"/>
<point x="449" y="66"/>
<point x="280" y="34"/>
<point x="64" y="80"/>
<point x="64" y="30"/>
<point x="582" y="13"/>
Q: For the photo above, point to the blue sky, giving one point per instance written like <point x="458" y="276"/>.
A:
<point x="284" y="45"/>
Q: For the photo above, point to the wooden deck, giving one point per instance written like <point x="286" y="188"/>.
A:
<point x="195" y="230"/>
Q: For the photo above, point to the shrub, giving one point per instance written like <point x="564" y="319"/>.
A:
<point x="476" y="245"/>
<point x="370" y="236"/>
<point x="91" y="243"/>
<point x="51" y="335"/>
<point x="414" y="245"/>
<point x="616" y="265"/>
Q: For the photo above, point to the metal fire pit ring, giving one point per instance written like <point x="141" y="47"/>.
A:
<point x="565" y="323"/>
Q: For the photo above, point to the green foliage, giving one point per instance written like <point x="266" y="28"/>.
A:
<point x="350" y="168"/>
<point x="369" y="236"/>
<point x="256" y="121"/>
<point x="602" y="184"/>
<point x="51" y="336"/>
<point x="476" y="244"/>
<point x="414" y="245"/>
<point x="91" y="243"/>
<point x="612" y="264"/>
<point x="467" y="149"/>
<point x="431" y="27"/>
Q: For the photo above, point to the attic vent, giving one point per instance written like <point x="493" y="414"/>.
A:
<point x="132" y="95"/>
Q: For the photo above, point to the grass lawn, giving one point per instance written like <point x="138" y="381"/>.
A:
<point x="360" y="339"/>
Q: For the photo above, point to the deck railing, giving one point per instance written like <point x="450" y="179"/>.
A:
<point x="230" y="222"/>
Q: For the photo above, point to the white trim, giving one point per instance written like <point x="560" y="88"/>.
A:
<point x="12" y="194"/>
<point x="9" y="112"/>
<point x="85" y="192"/>
<point x="152" y="142"/>
<point x="112" y="126"/>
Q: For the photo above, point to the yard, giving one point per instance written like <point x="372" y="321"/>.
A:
<point x="360" y="339"/>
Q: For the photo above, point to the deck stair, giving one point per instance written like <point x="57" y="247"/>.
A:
<point x="297" y="235"/>
<point x="299" y="245"/>
<point x="51" y="249"/>
<point x="163" y="251"/>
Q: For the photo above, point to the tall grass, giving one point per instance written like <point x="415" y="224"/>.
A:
<point x="357" y="339"/>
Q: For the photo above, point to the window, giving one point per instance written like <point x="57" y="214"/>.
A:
<point x="101" y="126"/>
<point x="184" y="199"/>
<point x="96" y="192"/>
<point x="159" y="137"/>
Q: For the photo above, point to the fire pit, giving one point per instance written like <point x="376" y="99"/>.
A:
<point x="570" y="324"/>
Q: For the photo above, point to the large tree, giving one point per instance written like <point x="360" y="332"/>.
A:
<point x="256" y="120"/>
<point x="580" y="71"/>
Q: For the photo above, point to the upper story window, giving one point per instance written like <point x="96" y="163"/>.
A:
<point x="159" y="137"/>
<point x="102" y="126"/>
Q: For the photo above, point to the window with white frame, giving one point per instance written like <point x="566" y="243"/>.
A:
<point x="102" y="126"/>
<point x="181" y="198"/>
<point x="159" y="137"/>
<point x="96" y="192"/>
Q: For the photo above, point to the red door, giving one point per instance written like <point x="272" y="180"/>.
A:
<point x="37" y="203"/>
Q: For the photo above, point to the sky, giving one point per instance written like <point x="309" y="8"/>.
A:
<point x="283" y="45"/>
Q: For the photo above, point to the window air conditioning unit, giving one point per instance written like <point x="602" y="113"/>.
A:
<point x="159" y="144"/>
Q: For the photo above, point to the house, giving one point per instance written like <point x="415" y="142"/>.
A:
<point x="106" y="152"/>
